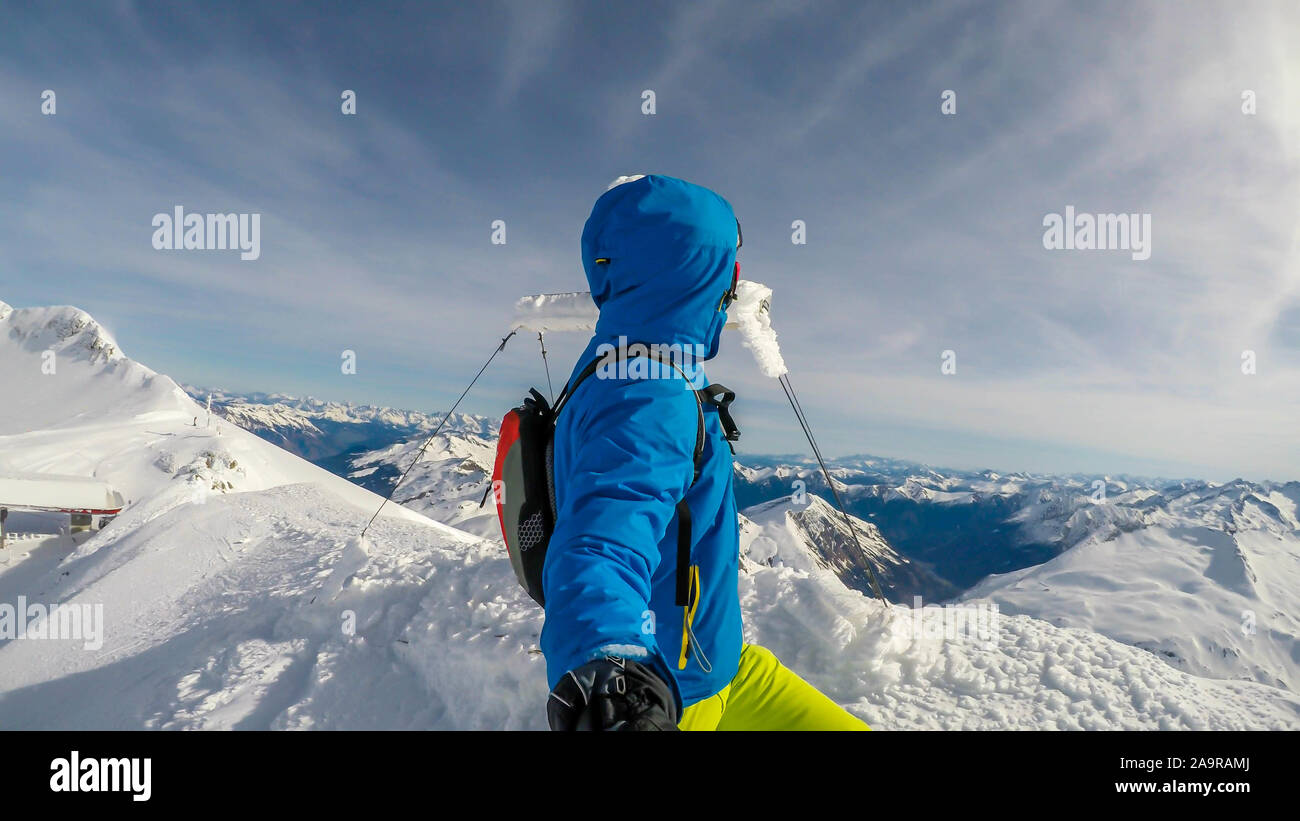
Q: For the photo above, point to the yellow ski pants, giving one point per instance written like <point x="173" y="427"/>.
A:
<point x="765" y="695"/>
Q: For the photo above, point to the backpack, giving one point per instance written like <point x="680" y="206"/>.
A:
<point x="523" y="476"/>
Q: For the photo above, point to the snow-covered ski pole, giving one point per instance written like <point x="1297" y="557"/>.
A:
<point x="445" y="417"/>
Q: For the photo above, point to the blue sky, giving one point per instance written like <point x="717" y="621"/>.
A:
<point x="924" y="231"/>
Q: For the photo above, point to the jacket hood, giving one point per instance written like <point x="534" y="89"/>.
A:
<point x="659" y="255"/>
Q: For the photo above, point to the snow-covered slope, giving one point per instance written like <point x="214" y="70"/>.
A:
<point x="447" y="485"/>
<point x="1208" y="581"/>
<point x="229" y="583"/>
<point x="262" y="610"/>
<point x="76" y="406"/>
<point x="236" y="594"/>
<point x="898" y="674"/>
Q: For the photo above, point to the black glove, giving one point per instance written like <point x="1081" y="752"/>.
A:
<point x="612" y="693"/>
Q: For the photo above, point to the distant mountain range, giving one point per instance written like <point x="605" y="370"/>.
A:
<point x="329" y="434"/>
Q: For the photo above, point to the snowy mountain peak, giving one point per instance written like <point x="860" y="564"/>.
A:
<point x="66" y="330"/>
<point x="68" y="369"/>
<point x="809" y="532"/>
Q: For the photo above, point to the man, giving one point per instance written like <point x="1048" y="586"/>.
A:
<point x="621" y="651"/>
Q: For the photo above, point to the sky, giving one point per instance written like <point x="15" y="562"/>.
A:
<point x="924" y="229"/>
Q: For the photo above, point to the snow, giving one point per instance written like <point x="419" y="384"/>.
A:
<point x="241" y="624"/>
<point x="224" y="580"/>
<point x="51" y="492"/>
<point x="624" y="179"/>
<point x="308" y="414"/>
<point x="809" y="534"/>
<point x="1203" y="600"/>
<point x="236" y="593"/>
<point x="574" y="311"/>
<point x="750" y="315"/>
<point x="449" y="482"/>
<point x="1035" y="676"/>
<point x="569" y="311"/>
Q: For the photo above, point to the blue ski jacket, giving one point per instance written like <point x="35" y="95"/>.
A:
<point x="659" y="254"/>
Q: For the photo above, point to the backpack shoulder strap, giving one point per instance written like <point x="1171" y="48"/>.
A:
<point x="569" y="389"/>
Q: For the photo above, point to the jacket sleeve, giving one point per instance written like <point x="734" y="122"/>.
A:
<point x="627" y="461"/>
